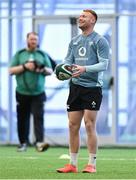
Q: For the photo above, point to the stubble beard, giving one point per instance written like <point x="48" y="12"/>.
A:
<point x="31" y="47"/>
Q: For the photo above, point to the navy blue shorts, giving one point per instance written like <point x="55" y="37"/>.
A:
<point x="81" y="98"/>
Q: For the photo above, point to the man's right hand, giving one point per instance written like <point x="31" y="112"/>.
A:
<point x="30" y="66"/>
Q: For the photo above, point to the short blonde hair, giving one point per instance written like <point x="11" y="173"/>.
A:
<point x="92" y="12"/>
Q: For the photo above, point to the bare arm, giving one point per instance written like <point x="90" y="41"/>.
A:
<point x="46" y="71"/>
<point x="16" y="69"/>
<point x="21" y="68"/>
<point x="30" y="67"/>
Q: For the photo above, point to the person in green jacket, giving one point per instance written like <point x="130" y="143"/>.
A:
<point x="30" y="67"/>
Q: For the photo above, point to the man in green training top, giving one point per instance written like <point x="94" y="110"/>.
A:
<point x="30" y="66"/>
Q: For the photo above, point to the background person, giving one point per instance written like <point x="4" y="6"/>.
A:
<point x="30" y="66"/>
<point x="88" y="54"/>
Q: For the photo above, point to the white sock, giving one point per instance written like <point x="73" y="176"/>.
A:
<point x="38" y="144"/>
<point x="73" y="158"/>
<point x="92" y="159"/>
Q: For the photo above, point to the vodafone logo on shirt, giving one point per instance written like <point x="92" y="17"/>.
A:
<point x="82" y="51"/>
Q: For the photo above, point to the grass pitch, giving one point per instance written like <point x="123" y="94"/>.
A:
<point x="117" y="163"/>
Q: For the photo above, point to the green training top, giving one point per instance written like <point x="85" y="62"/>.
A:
<point x="28" y="82"/>
<point x="91" y="51"/>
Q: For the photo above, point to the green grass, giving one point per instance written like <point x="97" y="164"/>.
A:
<point x="111" y="164"/>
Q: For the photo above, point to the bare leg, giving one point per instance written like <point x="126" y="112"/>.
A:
<point x="90" y="124"/>
<point x="75" y="118"/>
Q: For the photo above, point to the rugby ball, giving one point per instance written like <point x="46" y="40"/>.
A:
<point x="63" y="72"/>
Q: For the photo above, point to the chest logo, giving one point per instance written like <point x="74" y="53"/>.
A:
<point x="82" y="51"/>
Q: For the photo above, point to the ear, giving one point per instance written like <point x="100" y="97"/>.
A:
<point x="93" y="20"/>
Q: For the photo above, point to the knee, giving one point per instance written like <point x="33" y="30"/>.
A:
<point x="90" y="127"/>
<point x="73" y="127"/>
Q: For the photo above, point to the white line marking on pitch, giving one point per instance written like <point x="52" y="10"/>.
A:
<point x="83" y="158"/>
<point x="112" y="159"/>
<point x="29" y="157"/>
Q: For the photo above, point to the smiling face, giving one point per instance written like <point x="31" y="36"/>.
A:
<point x="86" y="20"/>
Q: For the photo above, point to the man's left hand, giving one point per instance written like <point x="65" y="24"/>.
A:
<point x="77" y="70"/>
